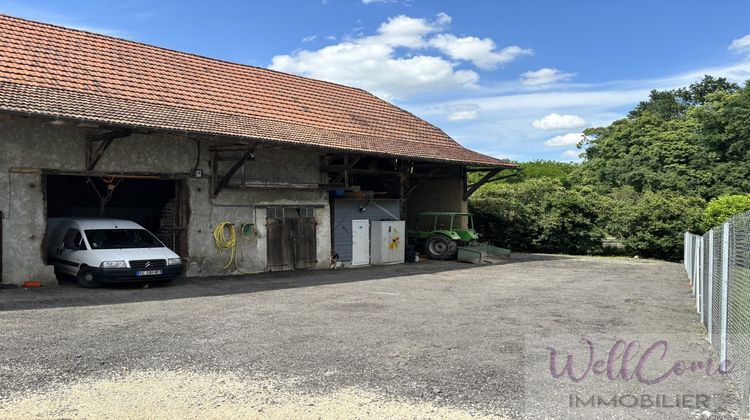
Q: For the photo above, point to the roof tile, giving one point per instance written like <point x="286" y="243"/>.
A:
<point x="66" y="73"/>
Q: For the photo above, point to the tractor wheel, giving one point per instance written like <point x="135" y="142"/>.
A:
<point x="439" y="247"/>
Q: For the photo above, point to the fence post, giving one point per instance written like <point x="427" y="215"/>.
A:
<point x="698" y="274"/>
<point x="692" y="261"/>
<point x="686" y="252"/>
<point x="708" y="317"/>
<point x="724" y="293"/>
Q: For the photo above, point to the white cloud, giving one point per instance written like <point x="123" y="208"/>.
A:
<point x="571" y="154"/>
<point x="405" y="31"/>
<point x="378" y="63"/>
<point x="309" y="38"/>
<point x="406" y="56"/>
<point x="443" y="19"/>
<point x="544" y="76"/>
<point x="463" y="115"/>
<point x="562" y="140"/>
<point x="482" y="52"/>
<point x="375" y="68"/>
<point x="741" y="45"/>
<point x="555" y="121"/>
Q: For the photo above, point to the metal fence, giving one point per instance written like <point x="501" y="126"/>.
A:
<point x="718" y="265"/>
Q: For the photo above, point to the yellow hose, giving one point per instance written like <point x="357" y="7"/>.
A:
<point x="225" y="238"/>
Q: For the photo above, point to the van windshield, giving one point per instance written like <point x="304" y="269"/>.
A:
<point x="121" y="238"/>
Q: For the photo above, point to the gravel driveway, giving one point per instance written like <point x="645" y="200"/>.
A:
<point x="425" y="340"/>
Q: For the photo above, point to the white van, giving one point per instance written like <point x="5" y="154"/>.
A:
<point x="102" y="251"/>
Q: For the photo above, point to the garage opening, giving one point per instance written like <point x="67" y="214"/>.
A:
<point x="159" y="205"/>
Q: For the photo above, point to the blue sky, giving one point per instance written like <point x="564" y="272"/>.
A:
<point x="517" y="80"/>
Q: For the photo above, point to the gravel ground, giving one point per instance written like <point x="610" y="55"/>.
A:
<point x="425" y="340"/>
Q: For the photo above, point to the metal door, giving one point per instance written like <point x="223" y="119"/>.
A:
<point x="360" y="242"/>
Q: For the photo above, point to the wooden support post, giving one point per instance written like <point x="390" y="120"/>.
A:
<point x="403" y="187"/>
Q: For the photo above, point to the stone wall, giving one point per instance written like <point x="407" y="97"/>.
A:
<point x="31" y="146"/>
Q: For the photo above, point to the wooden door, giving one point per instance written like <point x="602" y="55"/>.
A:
<point x="291" y="241"/>
<point x="305" y="249"/>
<point x="279" y="244"/>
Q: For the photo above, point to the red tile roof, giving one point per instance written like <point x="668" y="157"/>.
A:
<point x="66" y="73"/>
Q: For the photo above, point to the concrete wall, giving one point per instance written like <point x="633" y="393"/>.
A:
<point x="439" y="194"/>
<point x="29" y="146"/>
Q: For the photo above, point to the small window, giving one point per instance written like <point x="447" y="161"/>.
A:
<point x="289" y="212"/>
<point x="274" y="213"/>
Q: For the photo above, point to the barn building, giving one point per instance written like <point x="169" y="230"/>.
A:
<point x="92" y="125"/>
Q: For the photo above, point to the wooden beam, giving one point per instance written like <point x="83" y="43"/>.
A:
<point x="488" y="177"/>
<point x="336" y="169"/>
<point x="97" y="144"/>
<point x="420" y="182"/>
<point x="224" y="181"/>
<point x="331" y="187"/>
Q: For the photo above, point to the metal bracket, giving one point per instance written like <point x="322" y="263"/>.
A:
<point x="488" y="177"/>
<point x="249" y="154"/>
<point x="97" y="144"/>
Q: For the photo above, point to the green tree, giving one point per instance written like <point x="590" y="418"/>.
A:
<point x="693" y="141"/>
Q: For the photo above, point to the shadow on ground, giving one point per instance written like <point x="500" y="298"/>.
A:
<point x="70" y="295"/>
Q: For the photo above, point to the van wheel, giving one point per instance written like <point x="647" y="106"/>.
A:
<point x="86" y="279"/>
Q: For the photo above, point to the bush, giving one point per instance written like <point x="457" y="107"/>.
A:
<point x="540" y="215"/>
<point x="722" y="208"/>
<point x="653" y="225"/>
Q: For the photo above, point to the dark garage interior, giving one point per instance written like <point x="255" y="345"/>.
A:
<point x="150" y="202"/>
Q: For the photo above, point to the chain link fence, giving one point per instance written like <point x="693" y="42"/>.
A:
<point x="718" y="265"/>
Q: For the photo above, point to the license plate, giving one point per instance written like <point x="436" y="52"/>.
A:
<point x="148" y="273"/>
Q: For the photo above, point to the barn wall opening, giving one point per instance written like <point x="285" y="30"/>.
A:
<point x="159" y="205"/>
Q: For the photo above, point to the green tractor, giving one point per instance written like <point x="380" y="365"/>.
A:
<point x="441" y="233"/>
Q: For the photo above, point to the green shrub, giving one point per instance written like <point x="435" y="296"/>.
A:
<point x="540" y="215"/>
<point x="722" y="208"/>
<point x="653" y="225"/>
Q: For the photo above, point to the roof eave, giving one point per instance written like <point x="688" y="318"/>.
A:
<point x="111" y="124"/>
